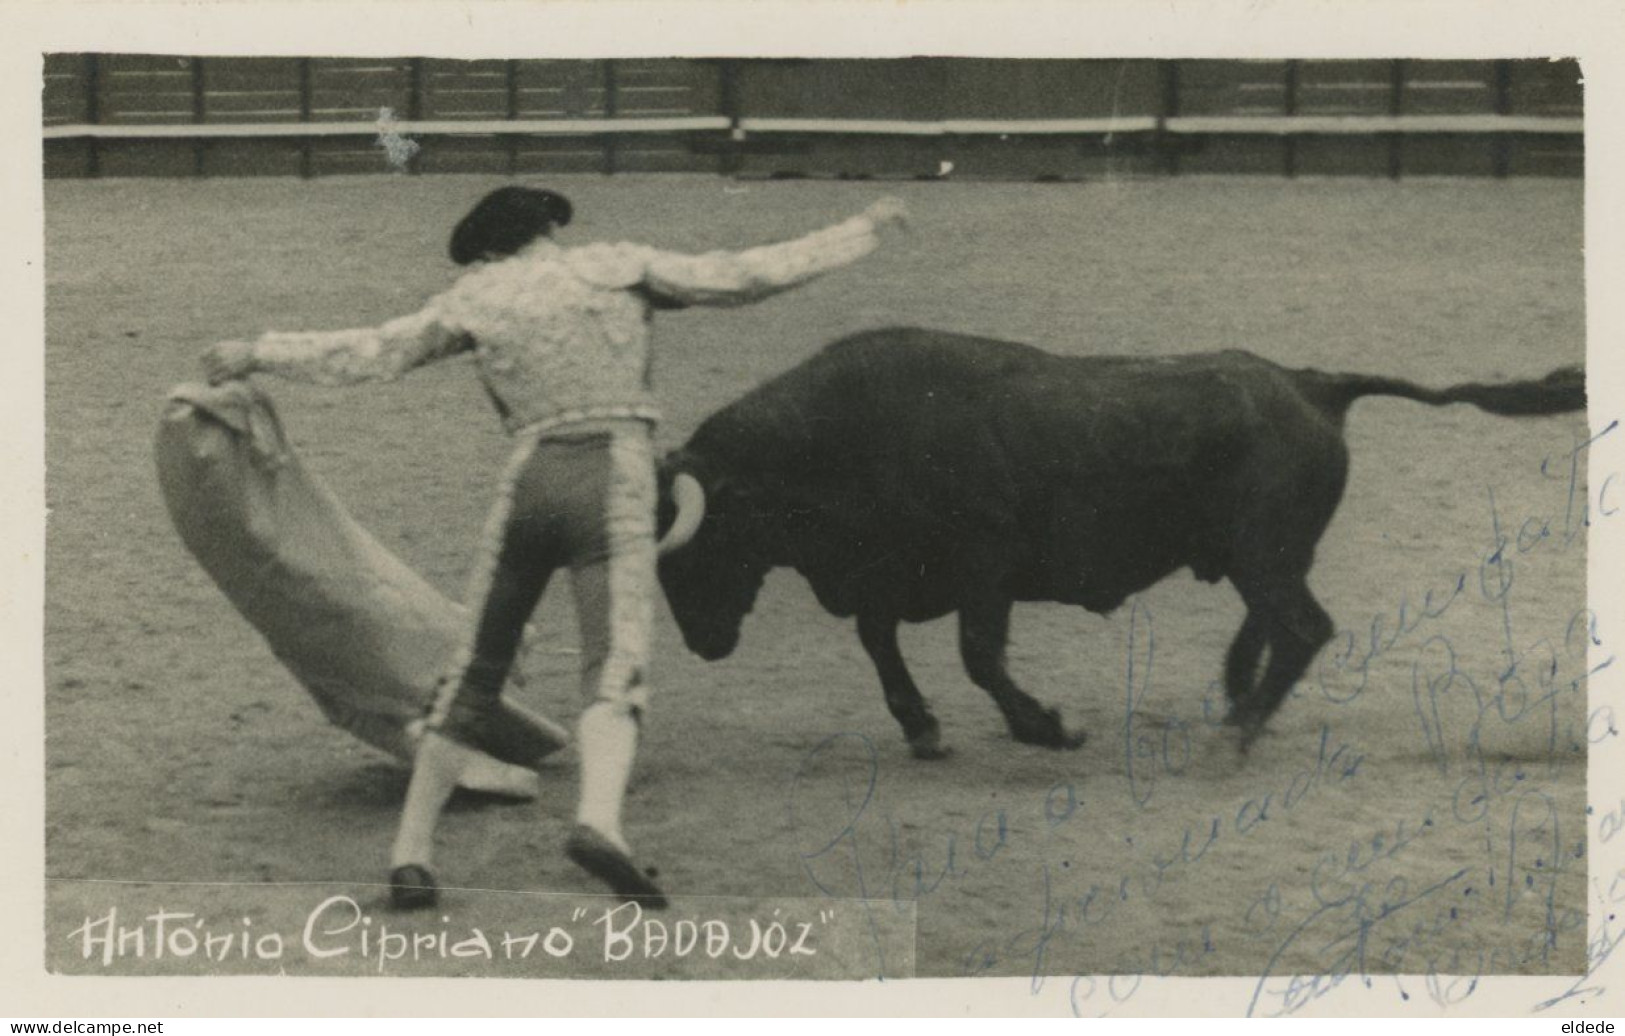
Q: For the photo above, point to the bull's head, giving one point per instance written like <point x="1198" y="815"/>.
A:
<point x="710" y="566"/>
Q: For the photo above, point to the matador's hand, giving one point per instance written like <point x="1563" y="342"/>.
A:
<point x="228" y="361"/>
<point x="888" y="212"/>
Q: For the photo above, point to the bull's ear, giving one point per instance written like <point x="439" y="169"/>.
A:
<point x="673" y="461"/>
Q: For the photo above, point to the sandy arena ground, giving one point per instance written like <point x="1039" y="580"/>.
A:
<point x="1418" y="808"/>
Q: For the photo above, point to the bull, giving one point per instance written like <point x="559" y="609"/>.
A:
<point x="908" y="474"/>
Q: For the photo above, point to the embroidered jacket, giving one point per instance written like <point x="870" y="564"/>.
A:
<point x="560" y="335"/>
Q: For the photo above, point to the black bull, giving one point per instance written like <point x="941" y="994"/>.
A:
<point x="908" y="474"/>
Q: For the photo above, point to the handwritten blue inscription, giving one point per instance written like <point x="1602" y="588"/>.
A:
<point x="1365" y="908"/>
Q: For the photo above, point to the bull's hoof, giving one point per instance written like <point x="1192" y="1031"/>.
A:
<point x="1250" y="735"/>
<point x="1047" y="731"/>
<point x="928" y="745"/>
<point x="1244" y="727"/>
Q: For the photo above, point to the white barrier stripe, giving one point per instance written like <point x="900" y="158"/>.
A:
<point x="967" y="127"/>
<point x="883" y="127"/>
<point x="1038" y="127"/>
<point x="567" y="127"/>
<point x="1262" y="124"/>
<point x="1364" y="124"/>
<point x="443" y="127"/>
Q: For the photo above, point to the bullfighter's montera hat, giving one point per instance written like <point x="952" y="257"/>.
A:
<point x="506" y="220"/>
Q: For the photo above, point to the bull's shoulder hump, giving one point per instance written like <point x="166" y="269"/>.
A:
<point x="919" y="353"/>
<point x="919" y="339"/>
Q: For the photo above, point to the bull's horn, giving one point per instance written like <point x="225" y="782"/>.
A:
<point x="690" y="498"/>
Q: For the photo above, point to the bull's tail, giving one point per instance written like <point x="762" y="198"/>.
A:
<point x="1560" y="392"/>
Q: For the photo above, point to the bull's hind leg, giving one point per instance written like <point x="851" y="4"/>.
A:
<point x="1297" y="628"/>
<point x="1241" y="662"/>
<point x="878" y="633"/>
<point x="984" y="630"/>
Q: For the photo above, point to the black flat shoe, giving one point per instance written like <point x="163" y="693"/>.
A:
<point x="598" y="856"/>
<point x="412" y="887"/>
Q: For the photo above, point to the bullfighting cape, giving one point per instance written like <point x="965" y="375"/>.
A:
<point x="365" y="634"/>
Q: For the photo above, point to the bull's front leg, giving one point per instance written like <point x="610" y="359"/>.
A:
<point x="984" y="630"/>
<point x="878" y="632"/>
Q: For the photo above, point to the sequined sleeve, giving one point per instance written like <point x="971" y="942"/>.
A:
<point x="381" y="353"/>
<point x="735" y="278"/>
